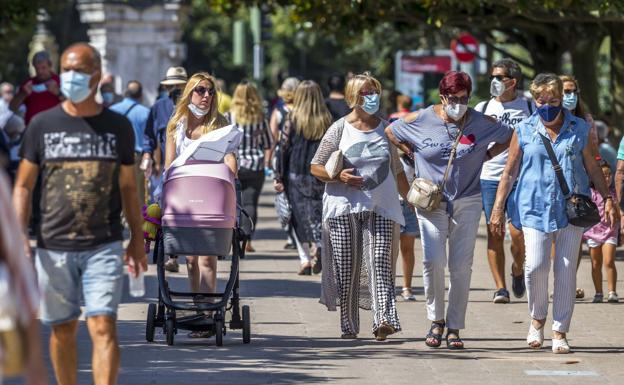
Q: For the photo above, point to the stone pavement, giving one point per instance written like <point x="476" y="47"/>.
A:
<point x="296" y="341"/>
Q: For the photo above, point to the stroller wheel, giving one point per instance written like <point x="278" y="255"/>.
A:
<point x="218" y="325"/>
<point x="246" y="325"/>
<point x="150" y="325"/>
<point x="170" y="330"/>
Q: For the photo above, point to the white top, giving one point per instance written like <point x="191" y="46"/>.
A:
<point x="511" y="113"/>
<point x="369" y="154"/>
<point x="182" y="141"/>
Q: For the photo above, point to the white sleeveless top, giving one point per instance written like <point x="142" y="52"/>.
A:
<point x="182" y="141"/>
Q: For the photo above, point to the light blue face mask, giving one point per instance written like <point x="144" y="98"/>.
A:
<point x="371" y="103"/>
<point x="75" y="86"/>
<point x="107" y="97"/>
<point x="570" y="101"/>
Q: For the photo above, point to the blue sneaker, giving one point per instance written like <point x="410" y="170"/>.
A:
<point x="517" y="285"/>
<point x="501" y="296"/>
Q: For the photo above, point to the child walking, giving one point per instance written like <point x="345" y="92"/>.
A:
<point x="602" y="241"/>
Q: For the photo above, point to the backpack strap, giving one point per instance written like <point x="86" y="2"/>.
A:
<point x="529" y="106"/>
<point x="485" y="106"/>
<point x="130" y="109"/>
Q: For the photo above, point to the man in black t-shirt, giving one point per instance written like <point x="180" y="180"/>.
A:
<point x="85" y="155"/>
<point x="336" y="103"/>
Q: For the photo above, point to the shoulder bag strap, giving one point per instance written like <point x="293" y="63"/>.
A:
<point x="485" y="106"/>
<point x="555" y="165"/>
<point x="454" y="150"/>
<point x="130" y="109"/>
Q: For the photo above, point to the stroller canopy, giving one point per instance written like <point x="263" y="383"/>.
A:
<point x="212" y="146"/>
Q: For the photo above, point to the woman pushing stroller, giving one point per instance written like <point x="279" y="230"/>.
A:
<point x="196" y="114"/>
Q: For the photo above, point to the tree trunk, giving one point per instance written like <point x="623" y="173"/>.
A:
<point x="617" y="77"/>
<point x="584" y="53"/>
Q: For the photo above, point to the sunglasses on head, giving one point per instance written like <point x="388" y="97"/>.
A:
<point x="499" y="77"/>
<point x="201" y="90"/>
<point x="457" y="99"/>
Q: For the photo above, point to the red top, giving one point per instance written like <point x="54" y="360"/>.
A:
<point x="38" y="102"/>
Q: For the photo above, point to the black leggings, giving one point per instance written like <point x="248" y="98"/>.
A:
<point x="251" y="185"/>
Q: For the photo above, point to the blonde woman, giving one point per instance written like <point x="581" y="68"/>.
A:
<point x="305" y="126"/>
<point x="196" y="114"/>
<point x="254" y="153"/>
<point x="361" y="213"/>
<point x="287" y="95"/>
<point x="542" y="204"/>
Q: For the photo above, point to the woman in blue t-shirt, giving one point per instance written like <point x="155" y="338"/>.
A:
<point x="542" y="205"/>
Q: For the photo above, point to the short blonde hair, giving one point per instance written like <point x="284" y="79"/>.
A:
<point x="546" y="82"/>
<point x="355" y="85"/>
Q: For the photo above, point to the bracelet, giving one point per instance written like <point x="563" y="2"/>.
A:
<point x="607" y="197"/>
<point x="495" y="209"/>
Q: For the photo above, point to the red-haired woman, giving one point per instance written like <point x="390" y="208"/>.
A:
<point x="429" y="136"/>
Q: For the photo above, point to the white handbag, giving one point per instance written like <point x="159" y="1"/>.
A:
<point x="334" y="164"/>
<point x="427" y="195"/>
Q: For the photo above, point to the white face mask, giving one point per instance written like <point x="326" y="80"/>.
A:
<point x="497" y="88"/>
<point x="198" y="112"/>
<point x="455" y="111"/>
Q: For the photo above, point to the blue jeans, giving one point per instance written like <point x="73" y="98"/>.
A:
<point x="411" y="221"/>
<point x="62" y="275"/>
<point x="488" y="194"/>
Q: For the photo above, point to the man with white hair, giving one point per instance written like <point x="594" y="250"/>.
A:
<point x="40" y="92"/>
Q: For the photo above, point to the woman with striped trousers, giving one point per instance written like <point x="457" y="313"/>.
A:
<point x="542" y="205"/>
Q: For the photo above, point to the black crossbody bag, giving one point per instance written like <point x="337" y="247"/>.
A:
<point x="581" y="210"/>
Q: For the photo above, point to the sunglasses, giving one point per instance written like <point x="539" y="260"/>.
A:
<point x="200" y="90"/>
<point x="367" y="93"/>
<point x="568" y="92"/>
<point x="499" y="77"/>
<point x="457" y="99"/>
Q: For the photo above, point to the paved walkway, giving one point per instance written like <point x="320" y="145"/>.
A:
<point x="296" y="341"/>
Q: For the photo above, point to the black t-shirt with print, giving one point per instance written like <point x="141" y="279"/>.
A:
<point x="79" y="160"/>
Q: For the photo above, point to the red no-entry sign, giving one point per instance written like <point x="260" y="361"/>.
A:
<point x="465" y="47"/>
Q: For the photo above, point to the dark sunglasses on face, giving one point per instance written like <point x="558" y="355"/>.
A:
<point x="499" y="77"/>
<point x="457" y="99"/>
<point x="568" y="92"/>
<point x="200" y="90"/>
<point x="369" y="92"/>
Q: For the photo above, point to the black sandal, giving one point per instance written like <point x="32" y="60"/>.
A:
<point x="437" y="337"/>
<point x="454" y="343"/>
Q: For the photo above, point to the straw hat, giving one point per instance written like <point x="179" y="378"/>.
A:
<point x="175" y="76"/>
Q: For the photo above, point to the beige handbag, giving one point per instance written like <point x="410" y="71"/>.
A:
<point x="426" y="195"/>
<point x="334" y="164"/>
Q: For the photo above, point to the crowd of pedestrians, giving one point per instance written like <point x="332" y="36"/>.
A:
<point x="359" y="190"/>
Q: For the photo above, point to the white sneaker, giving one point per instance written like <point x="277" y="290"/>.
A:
<point x="407" y="294"/>
<point x="613" y="297"/>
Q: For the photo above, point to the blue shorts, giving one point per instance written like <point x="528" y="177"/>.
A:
<point x="411" y="221"/>
<point x="62" y="275"/>
<point x="488" y="194"/>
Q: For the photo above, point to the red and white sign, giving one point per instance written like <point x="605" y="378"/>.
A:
<point x="426" y="64"/>
<point x="465" y="47"/>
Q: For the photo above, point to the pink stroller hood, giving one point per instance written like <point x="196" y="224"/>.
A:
<point x="199" y="194"/>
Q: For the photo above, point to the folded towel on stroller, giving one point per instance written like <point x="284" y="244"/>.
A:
<point x="212" y="146"/>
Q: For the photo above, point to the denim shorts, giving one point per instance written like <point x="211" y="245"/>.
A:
<point x="62" y="275"/>
<point x="488" y="195"/>
<point x="411" y="221"/>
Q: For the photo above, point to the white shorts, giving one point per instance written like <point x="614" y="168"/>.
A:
<point x="593" y="244"/>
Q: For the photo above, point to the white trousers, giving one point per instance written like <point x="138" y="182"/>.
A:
<point x="459" y="226"/>
<point x="537" y="267"/>
<point x="303" y="248"/>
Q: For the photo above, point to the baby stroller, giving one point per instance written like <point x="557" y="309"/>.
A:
<point x="200" y="217"/>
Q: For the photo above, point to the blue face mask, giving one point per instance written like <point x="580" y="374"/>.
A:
<point x="570" y="101"/>
<point x="371" y="103"/>
<point x="107" y="97"/>
<point x="75" y="86"/>
<point x="548" y="113"/>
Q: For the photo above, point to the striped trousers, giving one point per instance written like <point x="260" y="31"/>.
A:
<point x="362" y="254"/>
<point x="537" y="267"/>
